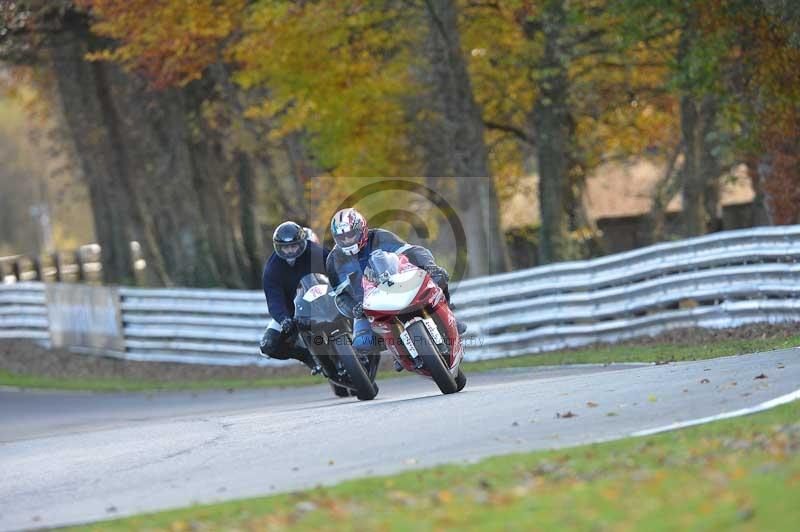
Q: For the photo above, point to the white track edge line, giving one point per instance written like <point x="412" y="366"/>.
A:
<point x="766" y="405"/>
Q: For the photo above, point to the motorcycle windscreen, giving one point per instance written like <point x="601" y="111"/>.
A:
<point x="381" y="265"/>
<point x="398" y="294"/>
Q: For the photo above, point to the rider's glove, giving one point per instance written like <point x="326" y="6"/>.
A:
<point x="439" y="275"/>
<point x="287" y="325"/>
<point x="358" y="311"/>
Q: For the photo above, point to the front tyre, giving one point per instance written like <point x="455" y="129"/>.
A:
<point x="365" y="389"/>
<point x="461" y="380"/>
<point x="432" y="359"/>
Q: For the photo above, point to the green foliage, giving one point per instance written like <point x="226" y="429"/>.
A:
<point x="338" y="70"/>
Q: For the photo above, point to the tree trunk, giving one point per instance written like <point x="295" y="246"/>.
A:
<point x="454" y="143"/>
<point x="701" y="169"/>
<point x="83" y="94"/>
<point x="551" y="124"/>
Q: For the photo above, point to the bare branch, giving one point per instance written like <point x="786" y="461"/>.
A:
<point x="517" y="132"/>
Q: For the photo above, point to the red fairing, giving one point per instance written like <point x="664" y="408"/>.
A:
<point x="431" y="298"/>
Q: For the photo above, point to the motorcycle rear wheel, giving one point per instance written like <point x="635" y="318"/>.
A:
<point x="366" y="389"/>
<point x="431" y="358"/>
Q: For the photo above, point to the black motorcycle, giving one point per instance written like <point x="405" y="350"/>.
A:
<point x="328" y="336"/>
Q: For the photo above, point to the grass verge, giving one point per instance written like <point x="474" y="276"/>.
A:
<point x="740" y="473"/>
<point x="108" y="384"/>
<point x="646" y="353"/>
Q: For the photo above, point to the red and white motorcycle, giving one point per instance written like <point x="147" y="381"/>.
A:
<point x="408" y="310"/>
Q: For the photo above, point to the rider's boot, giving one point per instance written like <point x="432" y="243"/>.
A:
<point x="304" y="356"/>
<point x="461" y="327"/>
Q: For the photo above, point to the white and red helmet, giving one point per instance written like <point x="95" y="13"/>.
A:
<point x="350" y="231"/>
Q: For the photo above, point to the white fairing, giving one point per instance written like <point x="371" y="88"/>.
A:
<point x="397" y="296"/>
<point x="315" y="292"/>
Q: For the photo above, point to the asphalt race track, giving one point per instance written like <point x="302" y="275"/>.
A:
<point x="72" y="458"/>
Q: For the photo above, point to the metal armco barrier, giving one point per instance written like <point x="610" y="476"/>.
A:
<point x="23" y="312"/>
<point x="715" y="281"/>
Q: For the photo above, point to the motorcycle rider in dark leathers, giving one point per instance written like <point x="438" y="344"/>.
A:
<point x="354" y="243"/>
<point x="295" y="256"/>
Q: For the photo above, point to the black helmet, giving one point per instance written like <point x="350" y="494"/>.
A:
<point x="289" y="241"/>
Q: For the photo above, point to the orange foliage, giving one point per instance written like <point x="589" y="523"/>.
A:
<point x="171" y="42"/>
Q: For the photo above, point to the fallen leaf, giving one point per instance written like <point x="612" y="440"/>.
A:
<point x="444" y="496"/>
<point x="745" y="514"/>
<point x="519" y="491"/>
<point x="567" y="414"/>
<point x="652" y="398"/>
<point x="331" y="462"/>
<point x="612" y="414"/>
<point x="738" y="473"/>
<point x="591" y="404"/>
<point x="762" y="376"/>
<point x="704" y="381"/>
<point x="305" y="506"/>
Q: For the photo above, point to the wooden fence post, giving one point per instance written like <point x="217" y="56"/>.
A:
<point x="79" y="265"/>
<point x="36" y="263"/>
<point x="16" y="270"/>
<point x="57" y="265"/>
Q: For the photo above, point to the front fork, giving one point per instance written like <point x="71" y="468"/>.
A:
<point x="436" y="335"/>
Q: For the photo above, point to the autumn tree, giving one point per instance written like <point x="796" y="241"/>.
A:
<point x="564" y="89"/>
<point x="159" y="131"/>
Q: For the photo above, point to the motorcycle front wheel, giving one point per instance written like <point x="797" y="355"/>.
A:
<point x="432" y="360"/>
<point x="365" y="388"/>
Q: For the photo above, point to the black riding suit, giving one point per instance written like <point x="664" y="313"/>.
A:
<point x="280" y="282"/>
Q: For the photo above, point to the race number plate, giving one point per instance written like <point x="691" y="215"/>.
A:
<point x="435" y="334"/>
<point x="409" y="343"/>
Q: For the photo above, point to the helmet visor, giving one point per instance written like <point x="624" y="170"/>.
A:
<point x="348" y="238"/>
<point x="290" y="250"/>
